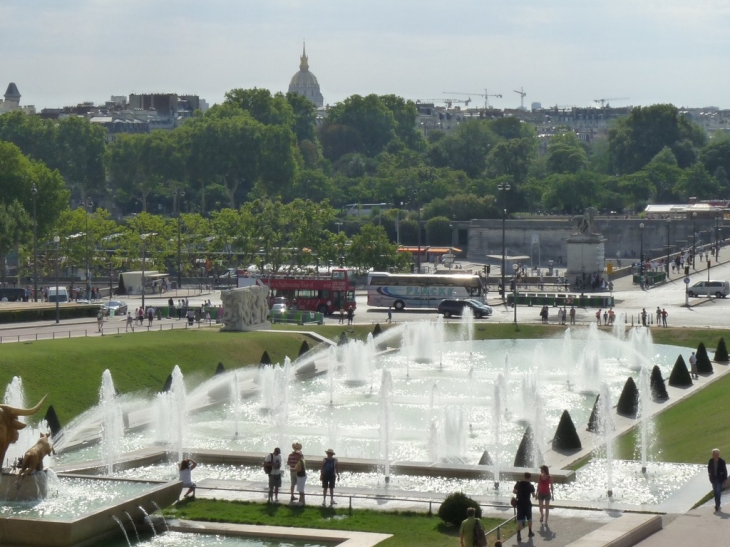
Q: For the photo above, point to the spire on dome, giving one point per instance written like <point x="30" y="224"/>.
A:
<point x="304" y="61"/>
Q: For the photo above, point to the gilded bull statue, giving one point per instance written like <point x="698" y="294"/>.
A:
<point x="33" y="458"/>
<point x="10" y="425"/>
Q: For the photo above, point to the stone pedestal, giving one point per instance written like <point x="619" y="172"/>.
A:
<point x="31" y="488"/>
<point x="586" y="254"/>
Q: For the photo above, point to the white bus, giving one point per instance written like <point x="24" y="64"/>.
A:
<point x="421" y="290"/>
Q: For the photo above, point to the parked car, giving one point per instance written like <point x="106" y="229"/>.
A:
<point x="720" y="289"/>
<point x="278" y="307"/>
<point x="456" y="306"/>
<point x="119" y="307"/>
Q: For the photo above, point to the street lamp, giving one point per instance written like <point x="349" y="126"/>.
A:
<point x="717" y="237"/>
<point x="641" y="256"/>
<point x="56" y="241"/>
<point x="338" y="227"/>
<point x="503" y="187"/>
<point x="514" y="294"/>
<point x="143" y="237"/>
<point x="34" y="190"/>
<point x="669" y="251"/>
<point x="694" y="240"/>
<point x="178" y="193"/>
<point x="87" y="203"/>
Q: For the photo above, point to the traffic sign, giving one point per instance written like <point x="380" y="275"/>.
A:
<point x="686" y="280"/>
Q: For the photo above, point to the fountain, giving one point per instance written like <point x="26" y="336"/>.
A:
<point x="644" y="414"/>
<point x="172" y="414"/>
<point x="606" y="430"/>
<point x="385" y="421"/>
<point x="112" y="423"/>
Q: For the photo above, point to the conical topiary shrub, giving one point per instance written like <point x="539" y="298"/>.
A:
<point x="656" y="383"/>
<point x="566" y="436"/>
<point x="51" y="418"/>
<point x="721" y="355"/>
<point x="594" y="423"/>
<point x="304" y="348"/>
<point x="628" y="402"/>
<point x="525" y="456"/>
<point x="343" y="339"/>
<point x="220" y="369"/>
<point x="377" y="330"/>
<point x="265" y="359"/>
<point x="704" y="366"/>
<point x="168" y="384"/>
<point x="680" y="375"/>
<point x="486" y="459"/>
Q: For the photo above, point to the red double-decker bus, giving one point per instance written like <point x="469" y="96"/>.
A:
<point x="325" y="293"/>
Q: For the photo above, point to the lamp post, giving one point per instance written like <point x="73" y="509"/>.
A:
<point x="641" y="256"/>
<point x="717" y="247"/>
<point x="143" y="237"/>
<point x="111" y="276"/>
<point x="418" y="210"/>
<point x="669" y="250"/>
<point x="56" y="241"/>
<point x="694" y="240"/>
<point x="503" y="187"/>
<point x="717" y="237"/>
<point x="34" y="190"/>
<point x="338" y="224"/>
<point x="178" y="193"/>
<point x="514" y="294"/>
<point x="87" y="204"/>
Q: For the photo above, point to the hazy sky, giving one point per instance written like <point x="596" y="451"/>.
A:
<point x="565" y="52"/>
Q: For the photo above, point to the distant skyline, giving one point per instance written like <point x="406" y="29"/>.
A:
<point x="565" y="52"/>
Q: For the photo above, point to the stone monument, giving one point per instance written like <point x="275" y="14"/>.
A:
<point x="586" y="247"/>
<point x="245" y="308"/>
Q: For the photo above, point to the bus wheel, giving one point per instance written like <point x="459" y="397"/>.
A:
<point x="322" y="309"/>
<point x="399" y="305"/>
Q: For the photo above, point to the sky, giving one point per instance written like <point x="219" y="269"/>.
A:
<point x="562" y="52"/>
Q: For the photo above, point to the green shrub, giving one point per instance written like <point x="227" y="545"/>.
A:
<point x="656" y="382"/>
<point x="304" y="348"/>
<point x="377" y="330"/>
<point x="453" y="509"/>
<point x="721" y="355"/>
<point x="680" y="375"/>
<point x="628" y="402"/>
<point x="566" y="436"/>
<point x="21" y="315"/>
<point x="525" y="456"/>
<point x="265" y="359"/>
<point x="704" y="366"/>
<point x="594" y="424"/>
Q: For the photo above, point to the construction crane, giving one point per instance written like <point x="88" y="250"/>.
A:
<point x="486" y="96"/>
<point x="522" y="94"/>
<point x="449" y="102"/>
<point x="605" y="101"/>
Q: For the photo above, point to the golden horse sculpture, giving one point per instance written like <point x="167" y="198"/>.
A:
<point x="10" y="425"/>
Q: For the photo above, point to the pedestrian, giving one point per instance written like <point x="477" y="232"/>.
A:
<point x="130" y="322"/>
<point x="545" y="492"/>
<point x="658" y="316"/>
<point x="524" y="490"/>
<point x="572" y="315"/>
<point x="664" y="317"/>
<point x="342" y="316"/>
<point x="605" y="317"/>
<point x="191" y="317"/>
<point x="693" y="366"/>
<point x="390" y="314"/>
<point x="99" y="321"/>
<point x="598" y="317"/>
<point x="140" y="315"/>
<point x="272" y="467"/>
<point x="330" y="469"/>
<point x="350" y="315"/>
<point x="468" y="527"/>
<point x="291" y="462"/>
<point x="301" y="470"/>
<point x="717" y="470"/>
<point x="186" y="468"/>
<point x="150" y="315"/>
<point x="643" y="316"/>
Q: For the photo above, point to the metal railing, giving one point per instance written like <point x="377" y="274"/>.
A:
<point x="92" y="332"/>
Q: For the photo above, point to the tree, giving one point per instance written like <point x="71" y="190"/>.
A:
<point x="405" y="114"/>
<point x="146" y="237"/>
<point x="565" y="154"/>
<point x="696" y="182"/>
<point x="642" y="135"/>
<point x="466" y="149"/>
<point x="370" y="117"/>
<point x="663" y="173"/>
<point x="262" y="106"/>
<point x="15" y="227"/>
<point x="126" y="161"/>
<point x="511" y="158"/>
<point x="571" y="193"/>
<point x="80" y="147"/>
<point x="305" y="116"/>
<point x="194" y="241"/>
<point x="438" y="230"/>
<point x="85" y="236"/>
<point x="371" y="248"/>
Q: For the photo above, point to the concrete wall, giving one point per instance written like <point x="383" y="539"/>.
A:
<point x="623" y="236"/>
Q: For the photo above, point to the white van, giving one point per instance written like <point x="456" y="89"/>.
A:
<point x="720" y="289"/>
<point x="62" y="295"/>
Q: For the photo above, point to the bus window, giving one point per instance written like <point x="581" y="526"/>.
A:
<point x="339" y="274"/>
<point x="324" y="293"/>
<point x="338" y="300"/>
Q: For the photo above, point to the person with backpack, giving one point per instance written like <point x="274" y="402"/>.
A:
<point x="301" y="470"/>
<point x="471" y="532"/>
<point x="272" y="467"/>
<point x="330" y="470"/>
<point x="524" y="491"/>
<point x="292" y="462"/>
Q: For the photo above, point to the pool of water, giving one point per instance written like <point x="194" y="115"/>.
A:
<point x="178" y="539"/>
<point x="70" y="498"/>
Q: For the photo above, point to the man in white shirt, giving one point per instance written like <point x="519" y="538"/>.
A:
<point x="272" y="467"/>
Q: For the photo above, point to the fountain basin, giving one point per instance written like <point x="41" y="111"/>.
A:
<point x="90" y="528"/>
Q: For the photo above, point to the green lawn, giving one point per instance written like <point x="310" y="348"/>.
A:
<point x="409" y="529"/>
<point x="70" y="370"/>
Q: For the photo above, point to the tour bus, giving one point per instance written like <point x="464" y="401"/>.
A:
<point x="325" y="293"/>
<point x="421" y="290"/>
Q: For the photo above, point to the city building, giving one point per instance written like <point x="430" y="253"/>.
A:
<point x="11" y="101"/>
<point x="305" y="83"/>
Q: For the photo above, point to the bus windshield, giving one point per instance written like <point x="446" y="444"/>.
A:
<point x="421" y="290"/>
